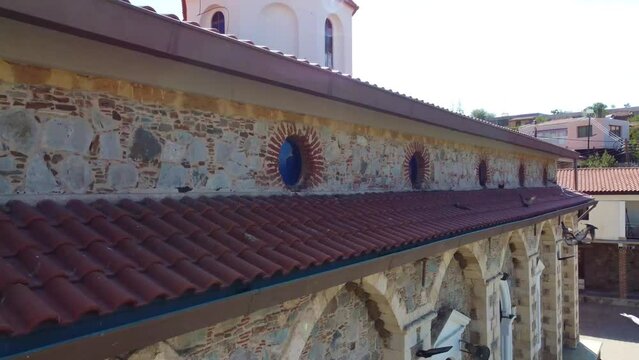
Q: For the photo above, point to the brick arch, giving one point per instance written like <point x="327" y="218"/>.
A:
<point x="306" y="321"/>
<point x="472" y="262"/>
<point x="380" y="310"/>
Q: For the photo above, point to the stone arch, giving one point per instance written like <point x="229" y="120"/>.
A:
<point x="279" y="28"/>
<point x="521" y="293"/>
<point x="306" y="321"/>
<point x="383" y="314"/>
<point x="551" y="294"/>
<point x="439" y="277"/>
<point x="473" y="271"/>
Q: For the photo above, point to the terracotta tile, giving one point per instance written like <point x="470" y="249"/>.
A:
<point x="61" y="263"/>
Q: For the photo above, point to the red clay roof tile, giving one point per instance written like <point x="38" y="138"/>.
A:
<point x="59" y="263"/>
<point x="601" y="180"/>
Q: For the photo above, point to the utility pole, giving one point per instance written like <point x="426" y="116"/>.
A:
<point x="589" y="111"/>
<point x="589" y="131"/>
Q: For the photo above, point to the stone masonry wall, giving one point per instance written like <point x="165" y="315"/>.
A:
<point x="62" y="132"/>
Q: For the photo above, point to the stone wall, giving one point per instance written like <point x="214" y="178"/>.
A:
<point x="78" y="134"/>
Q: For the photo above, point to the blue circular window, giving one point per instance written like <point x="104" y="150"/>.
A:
<point x="290" y="162"/>
<point x="416" y="170"/>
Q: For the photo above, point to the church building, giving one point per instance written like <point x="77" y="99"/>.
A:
<point x="216" y="185"/>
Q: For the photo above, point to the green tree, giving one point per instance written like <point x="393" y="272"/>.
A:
<point x="626" y="105"/>
<point x="634" y="119"/>
<point x="541" y="119"/>
<point x="599" y="161"/>
<point x="599" y="109"/>
<point x="482" y="114"/>
<point x="557" y="111"/>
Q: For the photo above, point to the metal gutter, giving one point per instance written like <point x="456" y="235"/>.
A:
<point x="127" y="26"/>
<point x="94" y="339"/>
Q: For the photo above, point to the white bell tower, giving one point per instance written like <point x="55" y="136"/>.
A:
<point x="317" y="30"/>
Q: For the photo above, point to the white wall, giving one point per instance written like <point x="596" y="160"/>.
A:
<point x="610" y="215"/>
<point x="291" y="26"/>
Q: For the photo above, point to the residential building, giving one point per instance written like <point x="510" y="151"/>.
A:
<point x="172" y="192"/>
<point x="610" y="266"/>
<point x="582" y="134"/>
<point x="623" y="113"/>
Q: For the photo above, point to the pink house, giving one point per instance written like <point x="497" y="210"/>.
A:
<point x="581" y="133"/>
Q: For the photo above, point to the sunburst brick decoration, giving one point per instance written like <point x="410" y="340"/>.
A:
<point x="483" y="171"/>
<point x="308" y="160"/>
<point x="417" y="165"/>
<point x="522" y="174"/>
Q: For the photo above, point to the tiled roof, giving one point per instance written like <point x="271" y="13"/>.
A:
<point x="601" y="180"/>
<point x="61" y="263"/>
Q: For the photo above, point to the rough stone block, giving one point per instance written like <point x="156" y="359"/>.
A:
<point x="188" y="341"/>
<point x="197" y="152"/>
<point x="5" y="186"/>
<point x="122" y="176"/>
<point x="145" y="146"/>
<point x="219" y="181"/>
<point x="75" y="174"/>
<point x="110" y="148"/>
<point x="19" y="130"/>
<point x="172" y="152"/>
<point x="7" y="164"/>
<point x="172" y="176"/>
<point x="39" y="178"/>
<point x="72" y="134"/>
<point x="102" y="122"/>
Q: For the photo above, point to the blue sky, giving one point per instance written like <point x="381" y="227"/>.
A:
<point x="507" y="56"/>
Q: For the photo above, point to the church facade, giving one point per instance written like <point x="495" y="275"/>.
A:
<point x="208" y="198"/>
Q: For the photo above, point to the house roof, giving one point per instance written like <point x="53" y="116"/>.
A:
<point x="601" y="180"/>
<point x="64" y="263"/>
<point x="141" y="29"/>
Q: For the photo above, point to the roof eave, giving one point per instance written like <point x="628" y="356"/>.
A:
<point x="156" y="35"/>
<point x="104" y="343"/>
<point x="353" y="5"/>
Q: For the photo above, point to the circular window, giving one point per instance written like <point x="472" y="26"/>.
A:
<point x="416" y="170"/>
<point x="290" y="162"/>
<point x="482" y="173"/>
<point x="522" y="175"/>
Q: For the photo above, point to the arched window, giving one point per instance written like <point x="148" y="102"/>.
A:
<point x="328" y="43"/>
<point x="482" y="173"/>
<point x="217" y="22"/>
<point x="416" y="166"/>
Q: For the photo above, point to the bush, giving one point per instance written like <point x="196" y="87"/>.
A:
<point x="599" y="161"/>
